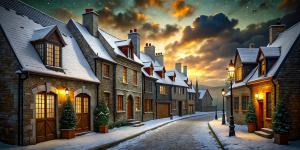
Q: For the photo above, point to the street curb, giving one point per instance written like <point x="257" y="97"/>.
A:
<point x="109" y="145"/>
<point x="215" y="136"/>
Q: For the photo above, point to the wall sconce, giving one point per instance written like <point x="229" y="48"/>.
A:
<point x="67" y="91"/>
<point x="256" y="96"/>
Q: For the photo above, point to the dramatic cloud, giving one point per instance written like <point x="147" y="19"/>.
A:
<point x="62" y="14"/>
<point x="208" y="47"/>
<point x="154" y="32"/>
<point x="144" y="4"/>
<point x="180" y="9"/>
<point x="290" y="5"/>
<point x="112" y="4"/>
<point x="122" y="21"/>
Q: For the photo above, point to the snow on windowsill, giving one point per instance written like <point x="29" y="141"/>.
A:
<point x="106" y="77"/>
<point x="121" y="111"/>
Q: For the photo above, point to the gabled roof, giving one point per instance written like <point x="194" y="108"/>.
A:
<point x="192" y="90"/>
<point x="44" y="33"/>
<point x="112" y="41"/>
<point x="202" y="93"/>
<point x="123" y="43"/>
<point x="286" y="41"/>
<point x="242" y="83"/>
<point x="268" y="52"/>
<point x="247" y="55"/>
<point x="93" y="42"/>
<point x="19" y="30"/>
<point x="179" y="79"/>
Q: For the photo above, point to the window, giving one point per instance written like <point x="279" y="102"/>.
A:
<point x="78" y="105"/>
<point x="183" y="90"/>
<point x="40" y="49"/>
<point x="86" y="105"/>
<point x="148" y="105"/>
<point x="106" y="97"/>
<point x="236" y="103"/>
<point x="174" y="89"/>
<point x="262" y="67"/>
<point x="44" y="103"/>
<point x="53" y="55"/>
<point x="120" y="102"/>
<point x="57" y="63"/>
<point x="163" y="90"/>
<point x="163" y="74"/>
<point x="179" y="90"/>
<point x="269" y="106"/>
<point x="129" y="53"/>
<point x="190" y="97"/>
<point x="151" y="70"/>
<point x="134" y="77"/>
<point x="49" y="54"/>
<point x="137" y="103"/>
<point x="239" y="74"/>
<point x="124" y="75"/>
<point x="173" y="104"/>
<point x="106" y="70"/>
<point x="148" y="86"/>
<point x="183" y="104"/>
<point x="245" y="100"/>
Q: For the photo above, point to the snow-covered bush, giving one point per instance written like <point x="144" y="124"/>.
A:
<point x="251" y="113"/>
<point x="281" y="122"/>
<point x="101" y="114"/>
<point x="68" y="118"/>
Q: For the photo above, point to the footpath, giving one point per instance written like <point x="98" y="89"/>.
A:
<point x="99" y="140"/>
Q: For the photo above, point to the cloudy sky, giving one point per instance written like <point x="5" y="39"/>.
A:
<point x="202" y="34"/>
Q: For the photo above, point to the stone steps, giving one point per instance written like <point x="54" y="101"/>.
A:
<point x="134" y="123"/>
<point x="265" y="132"/>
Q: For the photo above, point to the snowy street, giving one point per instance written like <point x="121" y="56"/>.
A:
<point x="191" y="133"/>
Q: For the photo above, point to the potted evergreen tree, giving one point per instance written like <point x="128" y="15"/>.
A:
<point x="68" y="120"/>
<point x="251" y="118"/>
<point x="102" y="117"/>
<point x="281" y="124"/>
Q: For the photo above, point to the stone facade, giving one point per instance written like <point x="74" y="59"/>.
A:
<point x="147" y="94"/>
<point x="179" y="98"/>
<point x="191" y="103"/>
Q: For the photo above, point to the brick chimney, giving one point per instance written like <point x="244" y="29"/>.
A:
<point x="178" y="67"/>
<point x="185" y="70"/>
<point x="159" y="57"/>
<point x="252" y="45"/>
<point x="275" y="30"/>
<point x="90" y="21"/>
<point x="150" y="51"/>
<point x="135" y="38"/>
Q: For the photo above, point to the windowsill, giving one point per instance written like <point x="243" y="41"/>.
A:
<point x="244" y="111"/>
<point x="135" y="85"/>
<point x="106" y="77"/>
<point x="268" y="119"/>
<point x="236" y="110"/>
<point x="173" y="109"/>
<point x="125" y="83"/>
<point x="148" y="112"/>
<point x="121" y="111"/>
<point x="55" y="68"/>
<point x="137" y="110"/>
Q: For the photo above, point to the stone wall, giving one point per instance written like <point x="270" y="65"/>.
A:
<point x="149" y="95"/>
<point x="179" y="97"/>
<point x="207" y="99"/>
<point x="209" y="108"/>
<point x="191" y="102"/>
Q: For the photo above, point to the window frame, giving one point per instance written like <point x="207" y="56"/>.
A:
<point x="239" y="74"/>
<point x="134" y="77"/>
<point x="148" y="106"/>
<point x="120" y="103"/>
<point x="236" y="103"/>
<point x="148" y="86"/>
<point x="106" y="95"/>
<point x="245" y="100"/>
<point x="124" y="74"/>
<point x="105" y="70"/>
<point x="137" y="103"/>
<point x="54" y="45"/>
<point x="163" y="90"/>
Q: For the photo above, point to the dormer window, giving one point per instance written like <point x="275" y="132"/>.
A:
<point x="151" y="70"/>
<point x="129" y="53"/>
<point x="163" y="74"/>
<point x="239" y="74"/>
<point x="53" y="55"/>
<point x="262" y="67"/>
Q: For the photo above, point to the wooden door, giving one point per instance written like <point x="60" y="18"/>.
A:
<point x="260" y="116"/>
<point x="180" y="107"/>
<point x="82" y="103"/>
<point x="129" y="108"/>
<point x="45" y="117"/>
<point x="163" y="110"/>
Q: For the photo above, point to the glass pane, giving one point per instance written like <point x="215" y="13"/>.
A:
<point x="39" y="110"/>
<point x="57" y="56"/>
<point x="78" y="105"/>
<point x="50" y="106"/>
<point x="49" y="54"/>
<point x="86" y="105"/>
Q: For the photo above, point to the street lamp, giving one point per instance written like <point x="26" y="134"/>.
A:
<point x="67" y="91"/>
<point x="231" y="75"/>
<point x="223" y="116"/>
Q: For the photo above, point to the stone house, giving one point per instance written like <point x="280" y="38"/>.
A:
<point x="191" y="98"/>
<point x="41" y="64"/>
<point x="178" y="90"/>
<point x="161" y="94"/>
<point x="204" y="101"/>
<point x="276" y="76"/>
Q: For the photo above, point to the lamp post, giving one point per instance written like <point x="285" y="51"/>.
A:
<point x="231" y="75"/>
<point x="223" y="115"/>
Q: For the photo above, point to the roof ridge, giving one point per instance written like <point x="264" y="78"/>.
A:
<point x="40" y="12"/>
<point x="109" y="33"/>
<point x="287" y="30"/>
<point x="44" y="27"/>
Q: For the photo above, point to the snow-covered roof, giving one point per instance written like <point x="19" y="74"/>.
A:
<point x="248" y="55"/>
<point x="147" y="64"/>
<point x="242" y="83"/>
<point x="41" y="33"/>
<point x="192" y="90"/>
<point x="201" y="93"/>
<point x="159" y="68"/>
<point x="228" y="94"/>
<point x="93" y="42"/>
<point x="19" y="31"/>
<point x="123" y="43"/>
<point x="178" y="79"/>
<point x="285" y="41"/>
<point x="112" y="41"/>
<point x="270" y="51"/>
<point x="189" y="82"/>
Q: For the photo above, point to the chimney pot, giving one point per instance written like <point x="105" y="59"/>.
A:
<point x="130" y="31"/>
<point x="278" y="21"/>
<point x="135" y="30"/>
<point x="149" y="44"/>
<point x="87" y="10"/>
<point x="146" y="44"/>
<point x="252" y="45"/>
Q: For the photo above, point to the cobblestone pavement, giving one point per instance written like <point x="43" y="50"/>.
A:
<point x="191" y="133"/>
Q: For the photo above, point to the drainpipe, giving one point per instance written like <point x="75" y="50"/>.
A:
<point x="274" y="91"/>
<point x="97" y="86"/>
<point x="114" y="91"/>
<point x="249" y="87"/>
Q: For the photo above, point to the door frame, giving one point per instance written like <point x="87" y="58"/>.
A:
<point x="260" y="116"/>
<point x="131" y="99"/>
<point x="82" y="109"/>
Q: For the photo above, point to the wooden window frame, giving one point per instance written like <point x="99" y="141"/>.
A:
<point x="124" y="75"/>
<point x="53" y="54"/>
<point x="148" y="105"/>
<point x="106" y="97"/>
<point x="245" y="100"/>
<point x="134" y="77"/>
<point x="120" y="103"/>
<point x="105" y="70"/>
<point x="137" y="103"/>
<point x="239" y="74"/>
<point x="163" y="90"/>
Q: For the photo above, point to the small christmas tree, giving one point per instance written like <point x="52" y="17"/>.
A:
<point x="281" y="123"/>
<point x="101" y="114"/>
<point x="251" y="113"/>
<point x="68" y="118"/>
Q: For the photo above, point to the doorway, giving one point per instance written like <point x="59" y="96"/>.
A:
<point x="180" y="108"/>
<point x="260" y="116"/>
<point x="82" y="103"/>
<point x="45" y="117"/>
<point x="129" y="108"/>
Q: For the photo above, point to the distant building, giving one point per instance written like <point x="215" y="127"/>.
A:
<point x="204" y="100"/>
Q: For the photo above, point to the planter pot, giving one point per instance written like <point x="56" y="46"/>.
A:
<point x="67" y="133"/>
<point x="103" y="129"/>
<point x="281" y="139"/>
<point x="251" y="127"/>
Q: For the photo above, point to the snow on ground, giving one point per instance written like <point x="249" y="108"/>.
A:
<point x="94" y="139"/>
<point x="244" y="140"/>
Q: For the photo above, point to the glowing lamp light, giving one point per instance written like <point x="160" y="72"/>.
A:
<point x="231" y="69"/>
<point x="67" y="91"/>
<point x="256" y="96"/>
<point x="223" y="92"/>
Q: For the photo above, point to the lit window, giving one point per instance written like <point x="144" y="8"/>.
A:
<point x="40" y="106"/>
<point x="179" y="90"/>
<point x="57" y="53"/>
<point x="148" y="105"/>
<point x="183" y="104"/>
<point x="78" y="105"/>
<point x="86" y="105"/>
<point x="263" y="67"/>
<point x="106" y="70"/>
<point x="49" y="54"/>
<point x="50" y="106"/>
<point x="137" y="103"/>
<point x="53" y="55"/>
<point x="120" y="102"/>
<point x="163" y="90"/>
<point x="239" y="74"/>
<point x="106" y="97"/>
<point x="124" y="75"/>
<point x="134" y="77"/>
<point x="151" y="70"/>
